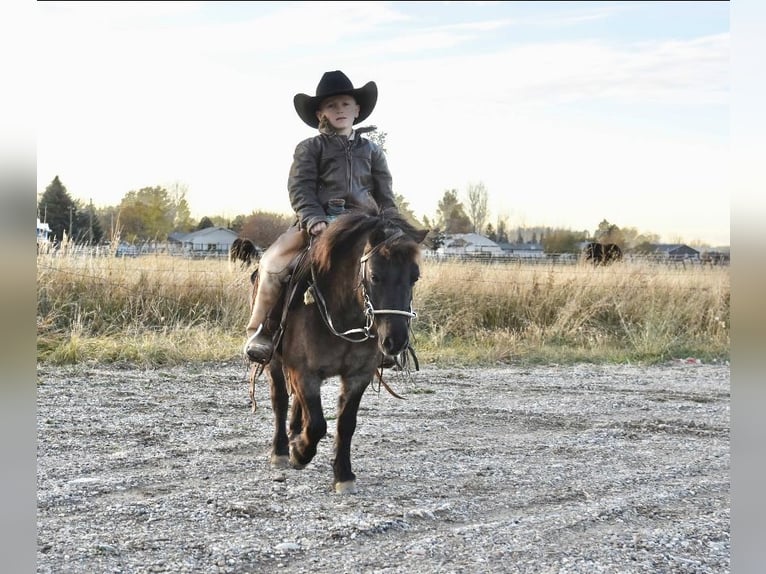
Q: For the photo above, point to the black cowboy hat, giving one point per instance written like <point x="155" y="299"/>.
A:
<point x="335" y="84"/>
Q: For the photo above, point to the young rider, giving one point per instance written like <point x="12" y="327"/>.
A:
<point x="336" y="168"/>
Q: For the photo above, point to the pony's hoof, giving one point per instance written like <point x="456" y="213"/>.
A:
<point x="347" y="487"/>
<point x="295" y="463"/>
<point x="280" y="461"/>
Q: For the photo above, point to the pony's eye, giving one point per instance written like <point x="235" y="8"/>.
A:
<point x="374" y="278"/>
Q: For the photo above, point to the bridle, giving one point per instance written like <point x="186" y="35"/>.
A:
<point x="359" y="334"/>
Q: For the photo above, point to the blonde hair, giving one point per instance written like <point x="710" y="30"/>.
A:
<point x="325" y="127"/>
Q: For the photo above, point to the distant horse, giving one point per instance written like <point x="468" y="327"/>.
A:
<point x="244" y="250"/>
<point x="602" y="253"/>
<point x="350" y="305"/>
<point x="612" y="253"/>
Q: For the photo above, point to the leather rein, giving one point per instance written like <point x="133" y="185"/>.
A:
<point x="359" y="334"/>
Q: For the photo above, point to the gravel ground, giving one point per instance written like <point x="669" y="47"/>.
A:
<point x="615" y="469"/>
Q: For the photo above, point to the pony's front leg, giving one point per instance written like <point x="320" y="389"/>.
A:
<point x="307" y="408"/>
<point x="352" y="389"/>
<point x="279" y="402"/>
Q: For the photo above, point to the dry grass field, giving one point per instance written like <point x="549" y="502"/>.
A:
<point x="162" y="310"/>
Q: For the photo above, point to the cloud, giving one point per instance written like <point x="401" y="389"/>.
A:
<point x="202" y="93"/>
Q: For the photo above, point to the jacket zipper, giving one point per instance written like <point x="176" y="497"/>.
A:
<point x="350" y="165"/>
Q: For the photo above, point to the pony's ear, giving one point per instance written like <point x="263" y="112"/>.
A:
<point x="377" y="236"/>
<point x="420" y="235"/>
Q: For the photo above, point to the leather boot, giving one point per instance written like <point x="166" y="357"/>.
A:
<point x="260" y="345"/>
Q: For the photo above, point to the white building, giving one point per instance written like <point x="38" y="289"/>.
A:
<point x="43" y="235"/>
<point x="211" y="241"/>
<point x="470" y="244"/>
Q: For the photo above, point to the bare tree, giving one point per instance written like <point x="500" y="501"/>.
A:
<point x="180" y="211"/>
<point x="477" y="205"/>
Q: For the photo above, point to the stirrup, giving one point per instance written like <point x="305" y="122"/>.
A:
<point x="263" y="351"/>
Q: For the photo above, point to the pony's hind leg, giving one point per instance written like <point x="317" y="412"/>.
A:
<point x="280" y="452"/>
<point x="352" y="389"/>
<point x="307" y="423"/>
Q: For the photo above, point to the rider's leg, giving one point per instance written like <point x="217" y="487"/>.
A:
<point x="272" y="272"/>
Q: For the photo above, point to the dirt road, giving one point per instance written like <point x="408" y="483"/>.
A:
<point x="615" y="469"/>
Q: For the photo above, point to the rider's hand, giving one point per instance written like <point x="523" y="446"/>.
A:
<point x="318" y="228"/>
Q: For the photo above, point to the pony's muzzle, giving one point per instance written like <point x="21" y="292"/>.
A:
<point x="393" y="336"/>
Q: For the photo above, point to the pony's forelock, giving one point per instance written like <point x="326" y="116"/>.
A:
<point x="377" y="225"/>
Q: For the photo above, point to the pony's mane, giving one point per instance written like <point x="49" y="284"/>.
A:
<point x="343" y="242"/>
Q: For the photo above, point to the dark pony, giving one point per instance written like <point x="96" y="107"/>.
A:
<point x="602" y="253"/>
<point x="243" y="250"/>
<point x="350" y="306"/>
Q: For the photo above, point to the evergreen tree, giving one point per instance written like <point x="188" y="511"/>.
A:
<point x="238" y="223"/>
<point x="489" y="232"/>
<point x="59" y="210"/>
<point x="452" y="216"/>
<point x="204" y="223"/>
<point x="502" y="231"/>
<point x="88" y="226"/>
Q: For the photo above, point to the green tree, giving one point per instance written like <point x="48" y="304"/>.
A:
<point x="477" y="205"/>
<point x="59" y="210"/>
<point x="608" y="233"/>
<point x="451" y="214"/>
<point x="563" y="241"/>
<point x="146" y="214"/>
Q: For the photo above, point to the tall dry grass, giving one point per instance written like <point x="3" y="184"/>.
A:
<point x="151" y="309"/>
<point x="625" y="312"/>
<point x="164" y="310"/>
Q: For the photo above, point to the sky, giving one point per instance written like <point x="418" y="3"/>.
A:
<point x="568" y="113"/>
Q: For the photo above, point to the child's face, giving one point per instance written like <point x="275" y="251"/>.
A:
<point x="340" y="111"/>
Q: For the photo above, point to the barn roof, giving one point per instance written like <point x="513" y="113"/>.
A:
<point x="671" y="247"/>
<point x="202" y="235"/>
<point x="462" y="239"/>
